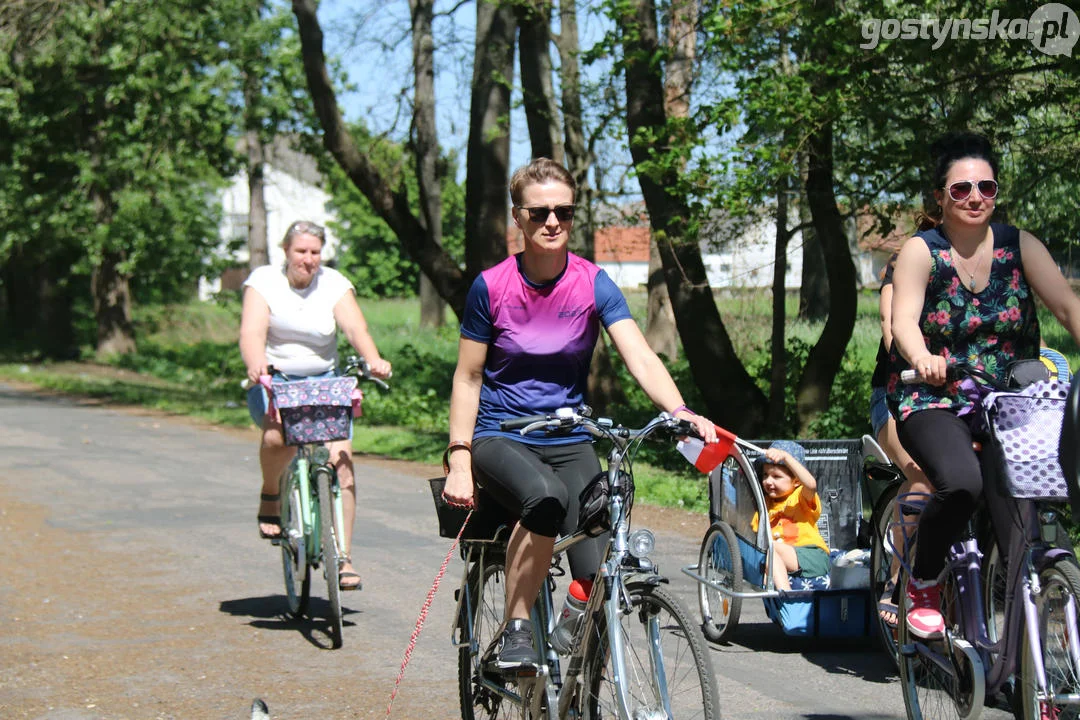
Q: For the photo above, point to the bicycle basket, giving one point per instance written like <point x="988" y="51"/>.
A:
<point x="1025" y="427"/>
<point x="484" y="523"/>
<point x="316" y="410"/>
<point x="594" y="516"/>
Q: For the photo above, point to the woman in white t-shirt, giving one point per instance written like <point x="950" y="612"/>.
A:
<point x="289" y="321"/>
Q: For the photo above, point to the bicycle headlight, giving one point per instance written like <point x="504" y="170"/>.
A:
<point x="641" y="543"/>
<point x="320" y="455"/>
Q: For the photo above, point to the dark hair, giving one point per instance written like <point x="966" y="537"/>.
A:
<point x="945" y="151"/>
<point x="960" y="146"/>
<point x="540" y="170"/>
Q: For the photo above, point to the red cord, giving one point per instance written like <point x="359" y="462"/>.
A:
<point x="424" y="610"/>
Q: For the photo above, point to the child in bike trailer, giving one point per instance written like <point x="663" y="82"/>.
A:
<point x="794" y="508"/>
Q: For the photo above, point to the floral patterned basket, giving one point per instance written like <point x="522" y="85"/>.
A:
<point x="1025" y="427"/>
<point x="314" y="411"/>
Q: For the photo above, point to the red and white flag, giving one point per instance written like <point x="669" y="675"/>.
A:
<point x="707" y="457"/>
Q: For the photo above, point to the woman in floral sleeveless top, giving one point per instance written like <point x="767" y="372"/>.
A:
<point x="963" y="292"/>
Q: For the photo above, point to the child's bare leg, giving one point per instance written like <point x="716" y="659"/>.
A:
<point x="784" y="561"/>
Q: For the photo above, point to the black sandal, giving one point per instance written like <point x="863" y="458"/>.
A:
<point x="345" y="559"/>
<point x="270" y="519"/>
<point x="888" y="605"/>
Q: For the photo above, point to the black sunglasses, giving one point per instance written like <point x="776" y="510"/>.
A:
<point x="961" y="190"/>
<point x="563" y="213"/>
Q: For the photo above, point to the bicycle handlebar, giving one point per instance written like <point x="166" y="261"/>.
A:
<point x="355" y="365"/>
<point x="358" y="366"/>
<point x="567" y="418"/>
<point x="957" y="371"/>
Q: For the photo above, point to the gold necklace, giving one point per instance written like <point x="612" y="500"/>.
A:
<point x="961" y="266"/>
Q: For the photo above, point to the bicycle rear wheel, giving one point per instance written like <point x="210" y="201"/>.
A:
<point x="680" y="672"/>
<point x="941" y="678"/>
<point x="1057" y="612"/>
<point x="881" y="563"/>
<point x="485" y="693"/>
<point x="330" y="553"/>
<point x="294" y="547"/>
<point x="720" y="562"/>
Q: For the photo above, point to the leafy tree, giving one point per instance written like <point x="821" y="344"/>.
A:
<point x="115" y="134"/>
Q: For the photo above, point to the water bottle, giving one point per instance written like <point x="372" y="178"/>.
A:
<point x="562" y="636"/>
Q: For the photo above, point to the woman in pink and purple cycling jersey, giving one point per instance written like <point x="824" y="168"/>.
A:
<point x="527" y="338"/>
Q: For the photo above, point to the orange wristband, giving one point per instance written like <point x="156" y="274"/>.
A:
<point x="452" y="446"/>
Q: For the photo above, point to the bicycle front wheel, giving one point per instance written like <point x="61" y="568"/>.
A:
<point x="485" y="693"/>
<point x="330" y="553"/>
<point x="1057" y="612"/>
<point x="944" y="678"/>
<point x="665" y="660"/>
<point x="293" y="543"/>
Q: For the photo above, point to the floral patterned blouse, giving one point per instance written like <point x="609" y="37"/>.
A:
<point x="988" y="329"/>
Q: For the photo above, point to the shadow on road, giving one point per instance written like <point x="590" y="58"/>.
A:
<point x="269" y="612"/>
<point x="858" y="657"/>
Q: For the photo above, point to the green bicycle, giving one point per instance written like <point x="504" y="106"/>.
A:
<point x="314" y="412"/>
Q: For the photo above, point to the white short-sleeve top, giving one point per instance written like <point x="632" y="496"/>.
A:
<point x="302" y="337"/>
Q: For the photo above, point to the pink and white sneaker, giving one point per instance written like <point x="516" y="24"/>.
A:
<point x="924" y="610"/>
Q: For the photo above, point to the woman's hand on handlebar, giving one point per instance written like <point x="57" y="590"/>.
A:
<point x="704" y="425"/>
<point x="932" y="369"/>
<point x="256" y="371"/>
<point x="380" y="368"/>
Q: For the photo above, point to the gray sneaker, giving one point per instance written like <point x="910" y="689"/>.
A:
<point x="516" y="648"/>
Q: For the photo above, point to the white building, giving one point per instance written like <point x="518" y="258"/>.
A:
<point x="293" y="189"/>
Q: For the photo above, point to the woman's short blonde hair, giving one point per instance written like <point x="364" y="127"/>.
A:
<point x="540" y="170"/>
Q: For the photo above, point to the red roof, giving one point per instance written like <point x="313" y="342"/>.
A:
<point x="611" y="244"/>
<point x="622" y="244"/>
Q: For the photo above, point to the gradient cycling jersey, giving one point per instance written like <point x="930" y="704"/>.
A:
<point x="540" y="340"/>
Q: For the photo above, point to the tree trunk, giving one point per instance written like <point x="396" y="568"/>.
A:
<point x="110" y="288"/>
<point x="823" y="363"/>
<point x="426" y="149"/>
<point x="488" y="155"/>
<point x="814" y="292"/>
<point x="538" y="93"/>
<point x="390" y="202"/>
<point x="778" y="374"/>
<point x="258" y="248"/>
<point x="660" y="331"/>
<point x="112" y="306"/>
<point x="578" y="157"/>
<point x="252" y="60"/>
<point x="731" y="397"/>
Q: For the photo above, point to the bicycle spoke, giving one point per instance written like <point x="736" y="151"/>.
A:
<point x="661" y="651"/>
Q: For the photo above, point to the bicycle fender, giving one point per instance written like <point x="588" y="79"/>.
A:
<point x="1042" y="559"/>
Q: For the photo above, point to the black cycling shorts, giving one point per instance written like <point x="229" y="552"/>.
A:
<point x="541" y="484"/>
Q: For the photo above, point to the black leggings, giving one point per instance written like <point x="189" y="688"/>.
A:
<point x="941" y="443"/>
<point x="541" y="485"/>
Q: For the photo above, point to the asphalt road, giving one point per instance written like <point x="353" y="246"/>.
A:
<point x="135" y="587"/>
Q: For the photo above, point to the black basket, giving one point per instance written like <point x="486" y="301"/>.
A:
<point x="484" y="523"/>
